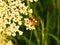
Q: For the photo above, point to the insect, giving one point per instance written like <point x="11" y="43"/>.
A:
<point x="33" y="21"/>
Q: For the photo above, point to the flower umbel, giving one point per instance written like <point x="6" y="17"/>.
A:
<point x="11" y="15"/>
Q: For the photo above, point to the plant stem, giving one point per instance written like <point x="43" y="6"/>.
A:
<point x="37" y="38"/>
<point x="58" y="27"/>
<point x="30" y="37"/>
<point x="58" y="13"/>
<point x="30" y="14"/>
<point x="42" y="25"/>
<point x="46" y="36"/>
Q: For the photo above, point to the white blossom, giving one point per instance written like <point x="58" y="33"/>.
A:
<point x="30" y="11"/>
<point x="33" y="0"/>
<point x="11" y="18"/>
<point x="20" y="33"/>
<point x="29" y="24"/>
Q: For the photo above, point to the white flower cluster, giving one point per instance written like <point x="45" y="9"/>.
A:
<point x="18" y="6"/>
<point x="10" y="17"/>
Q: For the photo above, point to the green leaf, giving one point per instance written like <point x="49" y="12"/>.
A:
<point x="53" y="36"/>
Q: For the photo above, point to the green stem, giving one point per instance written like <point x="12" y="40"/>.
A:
<point x="37" y="38"/>
<point x="30" y="37"/>
<point x="46" y="36"/>
<point x="42" y="25"/>
<point x="58" y="27"/>
<point x="30" y="14"/>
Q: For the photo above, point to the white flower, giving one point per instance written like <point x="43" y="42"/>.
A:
<point x="20" y="22"/>
<point x="30" y="11"/>
<point x="31" y="0"/>
<point x="13" y="34"/>
<point x="20" y="33"/>
<point x="8" y="33"/>
<point x="35" y="0"/>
